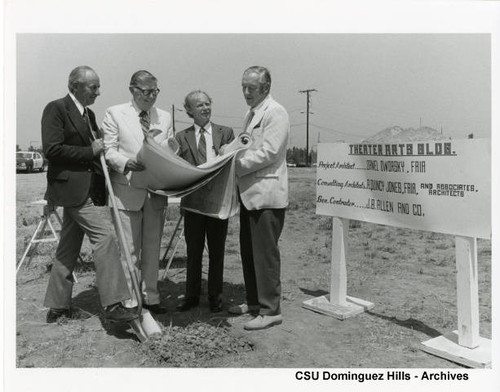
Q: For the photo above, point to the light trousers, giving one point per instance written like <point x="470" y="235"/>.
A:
<point x="111" y="283"/>
<point x="143" y="230"/>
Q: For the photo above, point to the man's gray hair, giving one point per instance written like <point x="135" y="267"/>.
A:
<point x="191" y="95"/>
<point x="141" y="76"/>
<point x="263" y="72"/>
<point x="77" y="76"/>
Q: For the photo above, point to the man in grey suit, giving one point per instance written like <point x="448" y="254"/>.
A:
<point x="198" y="144"/>
<point x="263" y="190"/>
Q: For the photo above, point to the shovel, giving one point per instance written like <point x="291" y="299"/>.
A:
<point x="145" y="326"/>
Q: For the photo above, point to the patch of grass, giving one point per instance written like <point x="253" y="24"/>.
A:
<point x="387" y="249"/>
<point x="311" y="249"/>
<point x="325" y="223"/>
<point x="442" y="246"/>
<point x="354" y="224"/>
<point x="193" y="345"/>
<point x="232" y="251"/>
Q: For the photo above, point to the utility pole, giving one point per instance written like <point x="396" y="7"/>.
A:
<point x="308" y="91"/>
<point x="173" y="119"/>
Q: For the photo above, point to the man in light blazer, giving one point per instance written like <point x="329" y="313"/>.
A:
<point x="263" y="190"/>
<point x="198" y="144"/>
<point x="141" y="212"/>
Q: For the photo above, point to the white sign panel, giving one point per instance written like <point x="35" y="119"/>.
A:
<point x="440" y="186"/>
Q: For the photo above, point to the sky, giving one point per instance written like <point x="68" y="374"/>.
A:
<point x="365" y="82"/>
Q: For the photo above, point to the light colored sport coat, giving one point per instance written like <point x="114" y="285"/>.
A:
<point x="123" y="138"/>
<point x="261" y="169"/>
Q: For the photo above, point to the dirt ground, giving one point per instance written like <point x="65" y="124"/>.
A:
<point x="409" y="275"/>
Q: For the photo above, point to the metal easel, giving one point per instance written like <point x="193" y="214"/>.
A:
<point x="39" y="234"/>
<point x="172" y="238"/>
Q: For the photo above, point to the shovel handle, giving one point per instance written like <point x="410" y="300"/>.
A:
<point x="121" y="234"/>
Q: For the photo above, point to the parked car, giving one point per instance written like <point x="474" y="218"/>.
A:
<point x="29" y="160"/>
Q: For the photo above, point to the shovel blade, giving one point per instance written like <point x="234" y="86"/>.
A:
<point x="139" y="330"/>
<point x="149" y="325"/>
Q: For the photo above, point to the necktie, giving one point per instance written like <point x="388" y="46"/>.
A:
<point x="202" y="146"/>
<point x="86" y="118"/>
<point x="145" y="122"/>
<point x="249" y="119"/>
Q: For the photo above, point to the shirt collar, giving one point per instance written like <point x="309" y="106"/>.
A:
<point x="207" y="128"/>
<point x="260" y="105"/>
<point x="80" y="107"/>
<point x="138" y="110"/>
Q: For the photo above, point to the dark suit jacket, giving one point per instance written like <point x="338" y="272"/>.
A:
<point x="197" y="226"/>
<point x="187" y="141"/>
<point x="73" y="172"/>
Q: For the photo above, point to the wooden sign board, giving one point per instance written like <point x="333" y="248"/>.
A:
<point x="435" y="186"/>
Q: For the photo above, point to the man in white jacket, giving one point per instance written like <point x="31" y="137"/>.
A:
<point x="263" y="190"/>
<point x="141" y="212"/>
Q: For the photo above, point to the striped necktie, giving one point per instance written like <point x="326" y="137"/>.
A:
<point x="249" y="119"/>
<point x="145" y="122"/>
<point x="202" y="146"/>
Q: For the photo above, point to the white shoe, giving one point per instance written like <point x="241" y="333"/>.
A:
<point x="130" y="303"/>
<point x="262" y="322"/>
<point x="243" y="309"/>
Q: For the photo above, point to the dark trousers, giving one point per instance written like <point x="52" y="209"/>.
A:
<point x="260" y="231"/>
<point x="110" y="278"/>
<point x="196" y="227"/>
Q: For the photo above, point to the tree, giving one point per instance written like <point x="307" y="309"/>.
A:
<point x="297" y="156"/>
<point x="18" y="148"/>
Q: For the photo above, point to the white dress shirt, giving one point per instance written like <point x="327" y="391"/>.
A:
<point x="208" y="138"/>
<point x="77" y="103"/>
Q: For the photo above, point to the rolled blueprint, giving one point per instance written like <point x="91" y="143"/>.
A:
<point x="214" y="182"/>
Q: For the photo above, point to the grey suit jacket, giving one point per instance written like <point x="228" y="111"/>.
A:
<point x="261" y="169"/>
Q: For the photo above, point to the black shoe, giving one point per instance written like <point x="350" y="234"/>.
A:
<point x="215" y="304"/>
<point x="118" y="313"/>
<point x="216" y="307"/>
<point x="187" y="304"/>
<point x="61" y="315"/>
<point x="156" y="308"/>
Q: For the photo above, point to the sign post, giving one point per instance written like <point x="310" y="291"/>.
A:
<point x="464" y="345"/>
<point x="338" y="304"/>
<point x="438" y="186"/>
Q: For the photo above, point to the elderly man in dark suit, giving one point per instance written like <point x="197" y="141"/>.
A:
<point x="198" y="144"/>
<point x="75" y="182"/>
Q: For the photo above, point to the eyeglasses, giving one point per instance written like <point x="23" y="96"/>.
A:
<point x="146" y="93"/>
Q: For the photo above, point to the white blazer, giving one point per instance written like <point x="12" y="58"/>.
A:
<point x="123" y="138"/>
<point x="261" y="169"/>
